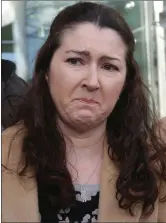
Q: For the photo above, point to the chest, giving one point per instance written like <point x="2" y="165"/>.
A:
<point x="20" y="202"/>
<point x="85" y="208"/>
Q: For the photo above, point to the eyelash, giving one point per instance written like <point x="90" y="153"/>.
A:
<point x="75" y="60"/>
<point x="71" y="60"/>
<point x="111" y="66"/>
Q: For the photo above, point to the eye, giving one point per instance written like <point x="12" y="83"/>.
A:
<point x="110" y="67"/>
<point x="75" y="61"/>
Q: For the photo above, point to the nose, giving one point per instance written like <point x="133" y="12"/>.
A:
<point x="92" y="80"/>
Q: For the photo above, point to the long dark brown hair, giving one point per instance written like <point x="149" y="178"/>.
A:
<point x="133" y="142"/>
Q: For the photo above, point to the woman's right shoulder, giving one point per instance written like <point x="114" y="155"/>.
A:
<point x="162" y="128"/>
<point x="12" y="139"/>
<point x="163" y="120"/>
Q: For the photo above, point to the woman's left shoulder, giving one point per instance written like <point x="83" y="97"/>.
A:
<point x="162" y="202"/>
<point x="162" y="188"/>
<point x="161" y="129"/>
<point x="163" y="121"/>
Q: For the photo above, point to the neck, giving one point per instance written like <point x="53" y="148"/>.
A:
<point x="87" y="143"/>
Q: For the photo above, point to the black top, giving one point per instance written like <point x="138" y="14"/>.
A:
<point x="84" y="210"/>
<point x="13" y="91"/>
<point x="7" y="69"/>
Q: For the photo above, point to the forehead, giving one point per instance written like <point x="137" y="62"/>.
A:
<point x="90" y="37"/>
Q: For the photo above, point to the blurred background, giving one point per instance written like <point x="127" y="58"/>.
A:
<point x="25" y="26"/>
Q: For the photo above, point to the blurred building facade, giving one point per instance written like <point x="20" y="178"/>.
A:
<point x="24" y="31"/>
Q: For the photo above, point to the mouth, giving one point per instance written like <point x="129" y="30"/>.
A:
<point x="88" y="101"/>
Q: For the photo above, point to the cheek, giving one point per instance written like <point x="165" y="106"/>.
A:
<point x="62" y="78"/>
<point x="61" y="87"/>
<point x="112" y="91"/>
<point x="56" y="85"/>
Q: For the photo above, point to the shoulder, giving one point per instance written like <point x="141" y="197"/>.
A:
<point x="163" y="122"/>
<point x="162" y="205"/>
<point x="163" y="125"/>
<point x="12" y="139"/>
<point x="161" y="129"/>
<point x="8" y="67"/>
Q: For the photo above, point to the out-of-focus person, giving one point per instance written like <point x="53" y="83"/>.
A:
<point x="13" y="90"/>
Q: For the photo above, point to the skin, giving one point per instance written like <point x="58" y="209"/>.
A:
<point x="86" y="76"/>
<point x="162" y="125"/>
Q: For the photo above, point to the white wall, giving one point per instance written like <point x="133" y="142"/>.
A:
<point x="161" y="58"/>
<point x="20" y="46"/>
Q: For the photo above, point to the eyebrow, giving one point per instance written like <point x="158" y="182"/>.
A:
<point x="87" y="54"/>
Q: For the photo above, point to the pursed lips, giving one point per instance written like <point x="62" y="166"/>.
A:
<point x="87" y="100"/>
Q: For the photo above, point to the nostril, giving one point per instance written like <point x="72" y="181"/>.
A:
<point x="92" y="87"/>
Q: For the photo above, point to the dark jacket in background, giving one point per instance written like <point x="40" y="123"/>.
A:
<point x="13" y="91"/>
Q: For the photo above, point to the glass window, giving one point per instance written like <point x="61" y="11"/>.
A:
<point x="39" y="15"/>
<point x="7" y="43"/>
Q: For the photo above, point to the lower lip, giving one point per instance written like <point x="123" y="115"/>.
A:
<point x="87" y="101"/>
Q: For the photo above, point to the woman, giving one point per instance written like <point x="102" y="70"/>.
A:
<point x="85" y="149"/>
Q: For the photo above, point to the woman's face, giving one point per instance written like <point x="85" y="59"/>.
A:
<point x="87" y="74"/>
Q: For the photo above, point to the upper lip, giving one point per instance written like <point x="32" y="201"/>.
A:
<point x="88" y="100"/>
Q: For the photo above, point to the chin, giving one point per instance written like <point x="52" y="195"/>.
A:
<point x="85" y="116"/>
<point x="82" y="126"/>
<point x="84" y="122"/>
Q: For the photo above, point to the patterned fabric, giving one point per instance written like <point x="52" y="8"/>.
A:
<point x="83" y="211"/>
